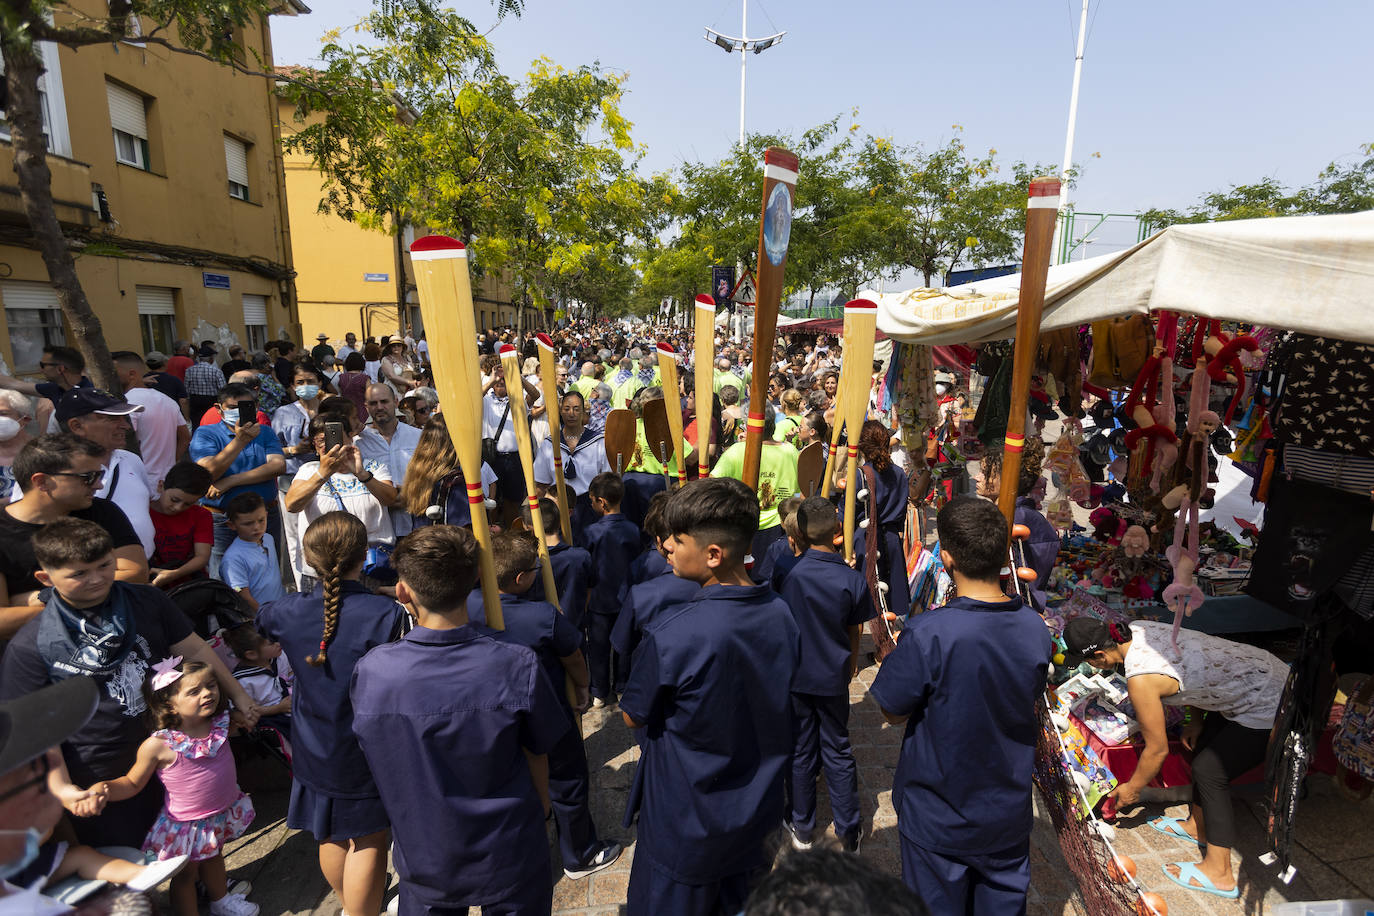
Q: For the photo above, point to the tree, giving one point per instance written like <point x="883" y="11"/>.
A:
<point x="530" y="174"/>
<point x="1340" y="188"/>
<point x="944" y="207"/>
<point x="200" y="28"/>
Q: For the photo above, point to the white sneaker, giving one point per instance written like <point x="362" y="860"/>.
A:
<point x="598" y="703"/>
<point x="233" y="905"/>
<point x="156" y="872"/>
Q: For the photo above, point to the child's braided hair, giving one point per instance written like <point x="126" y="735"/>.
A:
<point x="335" y="543"/>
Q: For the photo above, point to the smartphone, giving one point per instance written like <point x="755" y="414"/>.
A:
<point x="333" y="435"/>
<point x="248" y="412"/>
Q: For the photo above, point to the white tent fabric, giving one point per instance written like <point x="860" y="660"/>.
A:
<point x="1313" y="274"/>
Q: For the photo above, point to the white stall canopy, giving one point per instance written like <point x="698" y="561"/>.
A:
<point x="1313" y="274"/>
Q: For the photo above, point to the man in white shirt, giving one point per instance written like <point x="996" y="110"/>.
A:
<point x="162" y="430"/>
<point x="104" y="419"/>
<point x="497" y="424"/>
<point x="350" y="346"/>
<point x="391" y="443"/>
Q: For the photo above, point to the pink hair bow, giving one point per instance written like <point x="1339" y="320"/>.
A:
<point x="166" y="672"/>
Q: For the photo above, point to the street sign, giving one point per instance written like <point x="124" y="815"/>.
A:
<point x="214" y="281"/>
<point x="376" y="278"/>
<point x="744" y="293"/>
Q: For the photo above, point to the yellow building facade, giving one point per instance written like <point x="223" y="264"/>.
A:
<point x="167" y="175"/>
<point x="346" y="275"/>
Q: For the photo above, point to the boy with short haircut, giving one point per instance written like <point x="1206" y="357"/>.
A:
<point x="613" y="542"/>
<point x="250" y="566"/>
<point x="655" y="590"/>
<point x="259" y="674"/>
<point x="783" y="553"/>
<point x="572" y="566"/>
<point x="183" y="531"/>
<point x="454" y="723"/>
<point x="965" y="827"/>
<point x="558" y="644"/>
<point x="710" y="689"/>
<point x="830" y="603"/>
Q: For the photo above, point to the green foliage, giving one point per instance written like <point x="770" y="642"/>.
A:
<point x="531" y="174"/>
<point x="1340" y="188"/>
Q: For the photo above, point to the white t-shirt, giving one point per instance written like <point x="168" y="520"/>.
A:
<point x="156" y="426"/>
<point x="126" y="485"/>
<point x="1241" y="682"/>
<point x="357" y="500"/>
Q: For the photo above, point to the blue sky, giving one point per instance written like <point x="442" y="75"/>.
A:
<point x="1179" y="97"/>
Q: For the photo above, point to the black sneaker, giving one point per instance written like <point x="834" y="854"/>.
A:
<point x="605" y="857"/>
<point x="798" y="842"/>
<point x="852" y="842"/>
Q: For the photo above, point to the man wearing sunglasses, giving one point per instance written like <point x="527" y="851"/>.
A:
<point x="59" y="476"/>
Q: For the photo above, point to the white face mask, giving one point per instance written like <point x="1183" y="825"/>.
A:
<point x="941" y="387"/>
<point x="9" y="428"/>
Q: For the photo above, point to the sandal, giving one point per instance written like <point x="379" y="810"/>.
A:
<point x="1172" y="826"/>
<point x="1188" y="872"/>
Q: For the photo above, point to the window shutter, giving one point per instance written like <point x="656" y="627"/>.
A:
<point x="156" y="300"/>
<point x="127" y="111"/>
<point x="236" y="158"/>
<point x="21" y="295"/>
<point x="254" y="309"/>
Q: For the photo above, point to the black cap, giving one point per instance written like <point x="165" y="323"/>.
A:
<point x="1082" y="637"/>
<point x="78" y="402"/>
<point x="206" y="351"/>
<point x="43" y="719"/>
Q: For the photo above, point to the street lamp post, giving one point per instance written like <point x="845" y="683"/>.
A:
<point x="743" y="44"/>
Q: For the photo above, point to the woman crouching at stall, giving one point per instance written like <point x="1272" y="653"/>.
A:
<point x="1232" y="692"/>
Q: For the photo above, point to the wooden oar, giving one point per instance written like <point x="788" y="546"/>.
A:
<point x="548" y="380"/>
<point x="1041" y="212"/>
<point x="658" y="432"/>
<point x="861" y="324"/>
<point x="672" y="400"/>
<point x="520" y="421"/>
<point x="621" y="436"/>
<point x="445" y="291"/>
<point x="775" y="231"/>
<point x="704" y="378"/>
<point x="810" y="468"/>
<point x="849" y="370"/>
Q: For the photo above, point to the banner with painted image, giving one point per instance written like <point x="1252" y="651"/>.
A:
<point x="722" y="283"/>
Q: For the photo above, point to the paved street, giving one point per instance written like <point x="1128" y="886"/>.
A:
<point x="1334" y="853"/>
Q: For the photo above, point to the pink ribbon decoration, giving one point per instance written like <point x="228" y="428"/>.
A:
<point x="166" y="672"/>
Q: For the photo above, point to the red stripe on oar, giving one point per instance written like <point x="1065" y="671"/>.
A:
<point x="706" y="302"/>
<point x="436" y="243"/>
<point x="474" y="493"/>
<point x="664" y="347"/>
<point x="856" y="305"/>
<point x="782" y="157"/>
<point x="1045" y="187"/>
<point x="544" y="340"/>
<point x="1017" y="441"/>
<point x="506" y="348"/>
<point x="853" y="450"/>
<point x="755" y="421"/>
<point x="533" y="501"/>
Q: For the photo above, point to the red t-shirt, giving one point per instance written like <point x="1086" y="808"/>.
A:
<point x="178" y="365"/>
<point x="175" y="537"/>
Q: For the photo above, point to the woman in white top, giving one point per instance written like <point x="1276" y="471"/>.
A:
<point x="340" y="479"/>
<point x="1233" y="693"/>
<point x="397" y="370"/>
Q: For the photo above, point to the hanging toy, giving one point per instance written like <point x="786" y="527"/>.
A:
<point x="1226" y="362"/>
<point x="1154" y="417"/>
<point x="1183" y="596"/>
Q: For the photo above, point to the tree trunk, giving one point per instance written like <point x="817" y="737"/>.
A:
<point x="22" y="70"/>
<point x="402" y="313"/>
<point x="810" y="303"/>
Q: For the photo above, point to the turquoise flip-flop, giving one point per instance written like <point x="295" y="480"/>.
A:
<point x="1188" y="872"/>
<point x="1172" y="826"/>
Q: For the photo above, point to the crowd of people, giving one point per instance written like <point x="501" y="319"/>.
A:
<point x="322" y="491"/>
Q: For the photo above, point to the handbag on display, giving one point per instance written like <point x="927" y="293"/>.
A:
<point x="1353" y="743"/>
<point x="1121" y="346"/>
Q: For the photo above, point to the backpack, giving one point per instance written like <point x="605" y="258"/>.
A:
<point x="1121" y="347"/>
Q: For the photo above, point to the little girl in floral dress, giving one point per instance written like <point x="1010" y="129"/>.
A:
<point x="205" y="807"/>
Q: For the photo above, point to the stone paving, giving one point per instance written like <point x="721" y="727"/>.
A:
<point x="1334" y="851"/>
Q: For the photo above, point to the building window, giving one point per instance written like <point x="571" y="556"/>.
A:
<point x="255" y="320"/>
<point x="34" y="320"/>
<point x="51" y="102"/>
<point x="157" y="317"/>
<point x="236" y="163"/>
<point x="129" y="120"/>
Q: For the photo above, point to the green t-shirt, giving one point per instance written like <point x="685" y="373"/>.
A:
<point x="777" y="476"/>
<point x="645" y="459"/>
<point x="621" y="395"/>
<point x="584" y="385"/>
<point x="730" y="378"/>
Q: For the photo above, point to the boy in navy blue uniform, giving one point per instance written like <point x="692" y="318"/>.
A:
<point x="454" y="723"/>
<point x="830" y="603"/>
<point x="656" y="594"/>
<point x="572" y="566"/>
<point x="653" y="562"/>
<point x="965" y="678"/>
<point x="613" y="542"/>
<point x="552" y="636"/>
<point x="710" y="689"/>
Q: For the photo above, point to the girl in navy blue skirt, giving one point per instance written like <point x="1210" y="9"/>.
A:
<point x="323" y="633"/>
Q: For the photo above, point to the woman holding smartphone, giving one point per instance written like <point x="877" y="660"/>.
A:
<point x="340" y="479"/>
